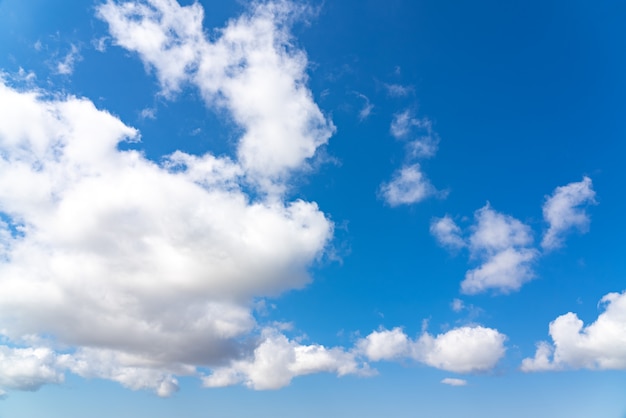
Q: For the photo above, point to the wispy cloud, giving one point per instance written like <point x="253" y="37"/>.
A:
<point x="398" y="90"/>
<point x="66" y="65"/>
<point x="565" y="210"/>
<point x="367" y="108"/>
<point x="454" y="382"/>
<point x="408" y="184"/>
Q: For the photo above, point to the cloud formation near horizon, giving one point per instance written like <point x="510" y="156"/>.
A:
<point x="600" y="345"/>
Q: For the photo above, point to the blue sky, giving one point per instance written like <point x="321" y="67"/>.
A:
<point x="408" y="208"/>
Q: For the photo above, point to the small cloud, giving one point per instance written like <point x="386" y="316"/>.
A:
<point x="454" y="382"/>
<point x="398" y="90"/>
<point x="447" y="232"/>
<point x="457" y="305"/>
<point x="66" y="66"/>
<point x="423" y="140"/>
<point x="367" y="108"/>
<point x="565" y="210"/>
<point x="100" y="44"/>
<point x="148" y="113"/>
<point x="408" y="186"/>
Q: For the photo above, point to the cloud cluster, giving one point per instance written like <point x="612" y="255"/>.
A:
<point x="599" y="345"/>
<point x="504" y="245"/>
<point x="118" y="267"/>
<point x="465" y="349"/>
<point x="277" y="359"/>
<point x="500" y="242"/>
<point x="137" y="270"/>
<point x="103" y="248"/>
<point x="408" y="184"/>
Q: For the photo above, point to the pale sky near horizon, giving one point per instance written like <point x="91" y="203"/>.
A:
<point x="289" y="208"/>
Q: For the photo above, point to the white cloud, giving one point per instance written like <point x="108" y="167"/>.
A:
<point x="505" y="271"/>
<point x="28" y="368"/>
<point x="277" y="360"/>
<point x="135" y="372"/>
<point x="398" y="90"/>
<point x="252" y="69"/>
<point x="148" y="113"/>
<point x="447" y="232"/>
<point x="100" y="44"/>
<point x="407" y="186"/>
<point x="599" y="345"/>
<point x="494" y="232"/>
<point x="367" y="108"/>
<point x="454" y="382"/>
<point x="503" y="244"/>
<point x="457" y="305"/>
<point x="106" y="249"/>
<point x="422" y="141"/>
<point x="66" y="66"/>
<point x="565" y="210"/>
<point x="385" y="345"/>
<point x="462" y="350"/>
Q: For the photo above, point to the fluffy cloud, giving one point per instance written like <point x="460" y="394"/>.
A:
<point x="447" y="232"/>
<point x="565" y="210"/>
<point x="408" y="185"/>
<point x="106" y="249"/>
<point x="277" y="360"/>
<point x="502" y="243"/>
<point x="28" y="368"/>
<point x="136" y="271"/>
<point x="462" y="350"/>
<point x="599" y="345"/>
<point x="149" y="270"/>
<point x="252" y="69"/>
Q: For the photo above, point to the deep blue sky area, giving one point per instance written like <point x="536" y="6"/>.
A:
<point x="466" y="279"/>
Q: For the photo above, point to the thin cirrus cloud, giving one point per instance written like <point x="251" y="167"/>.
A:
<point x="451" y="381"/>
<point x="600" y="345"/>
<point x="504" y="245"/>
<point x="118" y="267"/>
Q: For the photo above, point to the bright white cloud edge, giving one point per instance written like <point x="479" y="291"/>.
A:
<point x="600" y="345"/>
<point x="565" y="210"/>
